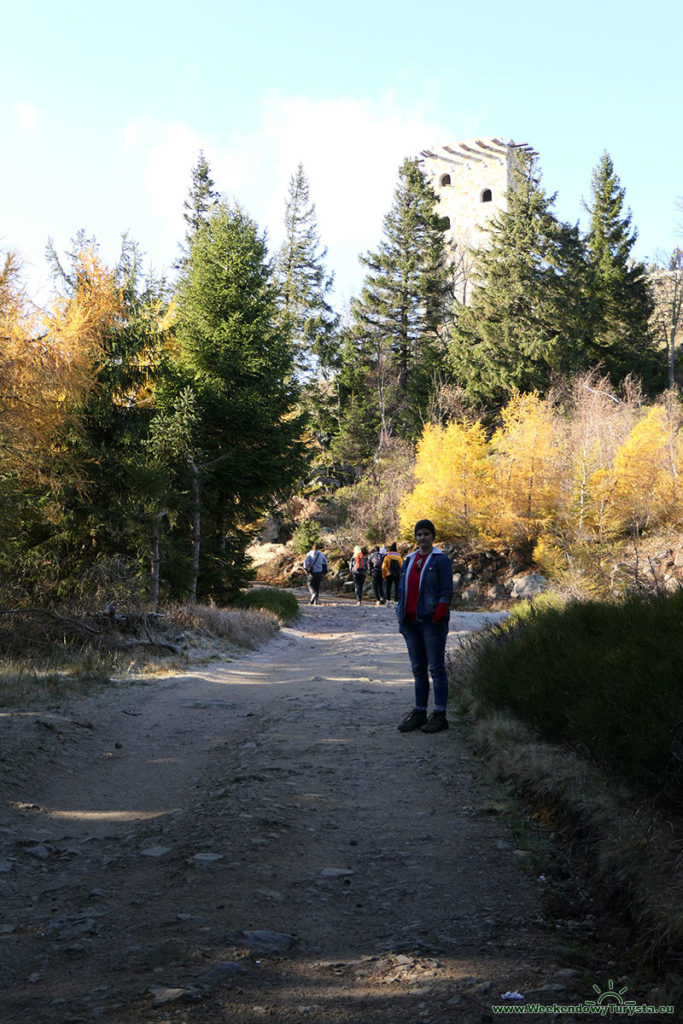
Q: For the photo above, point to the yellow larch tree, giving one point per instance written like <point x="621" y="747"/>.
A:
<point x="50" y="359"/>
<point x="642" y="487"/>
<point x="452" y="487"/>
<point x="528" y="471"/>
<point x="20" y="378"/>
<point x="77" y="327"/>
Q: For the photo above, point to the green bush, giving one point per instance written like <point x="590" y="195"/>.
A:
<point x="280" y="602"/>
<point x="605" y="678"/>
<point x="304" y="536"/>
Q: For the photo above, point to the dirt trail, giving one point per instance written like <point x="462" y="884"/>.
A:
<point x="258" y="840"/>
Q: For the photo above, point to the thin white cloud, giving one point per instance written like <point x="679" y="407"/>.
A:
<point x="350" y="149"/>
<point x="165" y="153"/>
<point x="27" y="115"/>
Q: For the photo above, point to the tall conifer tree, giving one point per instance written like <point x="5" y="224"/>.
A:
<point x="399" y="323"/>
<point x="235" y="359"/>
<point x="529" y="317"/>
<point x="622" y="339"/>
<point x="305" y="284"/>
<point x="103" y="491"/>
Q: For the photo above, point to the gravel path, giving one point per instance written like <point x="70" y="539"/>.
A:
<point x="257" y="840"/>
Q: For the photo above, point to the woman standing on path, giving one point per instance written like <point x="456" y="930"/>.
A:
<point x="423" y="606"/>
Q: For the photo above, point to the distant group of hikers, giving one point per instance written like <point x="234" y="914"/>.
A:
<point x="423" y="589"/>
<point x="384" y="567"/>
<point x="382" y="564"/>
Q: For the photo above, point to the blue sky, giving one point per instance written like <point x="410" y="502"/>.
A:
<point x="106" y="106"/>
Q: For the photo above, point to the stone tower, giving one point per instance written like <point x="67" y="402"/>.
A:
<point x="471" y="180"/>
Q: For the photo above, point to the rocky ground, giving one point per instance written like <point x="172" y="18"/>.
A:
<point x="256" y="840"/>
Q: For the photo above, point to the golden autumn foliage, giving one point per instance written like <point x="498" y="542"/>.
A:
<point x="527" y="456"/>
<point x="50" y="359"/>
<point x="77" y="326"/>
<point x="21" y="378"/>
<point x="643" y="483"/>
<point x="561" y="482"/>
<point x="452" y="472"/>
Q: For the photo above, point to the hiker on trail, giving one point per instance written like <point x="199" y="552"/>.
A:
<point x="315" y="565"/>
<point x="359" y="569"/>
<point x="391" y="572"/>
<point x="375" y="566"/>
<point x="423" y="610"/>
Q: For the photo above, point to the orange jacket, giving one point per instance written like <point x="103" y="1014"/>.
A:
<point x="387" y="558"/>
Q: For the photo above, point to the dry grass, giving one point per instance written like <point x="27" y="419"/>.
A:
<point x="244" y="627"/>
<point x="46" y="657"/>
<point x="28" y="684"/>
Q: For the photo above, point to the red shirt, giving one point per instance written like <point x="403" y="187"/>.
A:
<point x="413" y="586"/>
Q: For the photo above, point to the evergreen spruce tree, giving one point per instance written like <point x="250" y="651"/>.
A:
<point x="622" y="341"/>
<point x="530" y="313"/>
<point x="305" y="284"/>
<point x="235" y="370"/>
<point x="359" y="397"/>
<point x="397" y="338"/>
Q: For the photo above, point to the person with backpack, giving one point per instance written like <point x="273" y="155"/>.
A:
<point x="315" y="565"/>
<point x="391" y="572"/>
<point x="375" y="566"/>
<point x="359" y="570"/>
<point x="423" y="610"/>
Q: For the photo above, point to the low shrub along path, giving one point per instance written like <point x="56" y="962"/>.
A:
<point x="257" y="840"/>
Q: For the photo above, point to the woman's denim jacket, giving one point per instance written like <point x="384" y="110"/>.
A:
<point x="436" y="585"/>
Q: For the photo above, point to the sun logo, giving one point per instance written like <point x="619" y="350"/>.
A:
<point x="610" y="996"/>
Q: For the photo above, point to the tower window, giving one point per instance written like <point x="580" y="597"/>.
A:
<point x="445" y="179"/>
<point x="487" y="196"/>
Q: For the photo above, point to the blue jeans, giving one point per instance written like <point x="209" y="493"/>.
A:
<point x="426" y="643"/>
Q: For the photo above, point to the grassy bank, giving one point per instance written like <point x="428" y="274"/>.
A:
<point x="604" y="678"/>
<point x="574" y="705"/>
<point x="281" y="603"/>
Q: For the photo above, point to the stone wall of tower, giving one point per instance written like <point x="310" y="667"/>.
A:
<point x="471" y="180"/>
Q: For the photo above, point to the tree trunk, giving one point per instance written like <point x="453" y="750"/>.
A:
<point x="223" y="543"/>
<point x="196" y="532"/>
<point x="156" y="564"/>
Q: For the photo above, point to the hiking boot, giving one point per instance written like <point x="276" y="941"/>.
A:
<point x="437" y="722"/>
<point x="415" y="720"/>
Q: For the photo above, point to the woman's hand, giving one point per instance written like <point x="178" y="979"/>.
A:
<point x="441" y="611"/>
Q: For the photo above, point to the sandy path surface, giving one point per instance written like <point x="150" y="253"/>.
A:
<point x="257" y="840"/>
